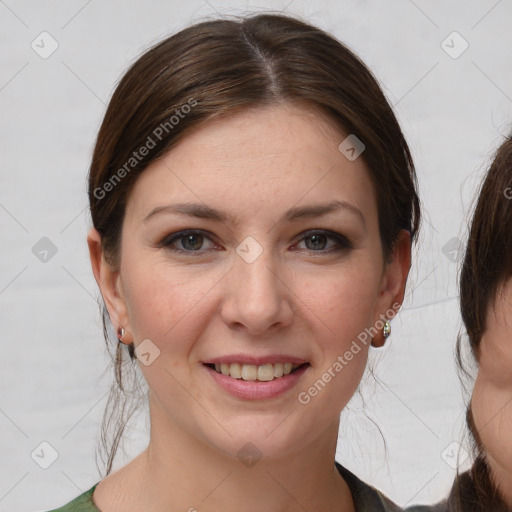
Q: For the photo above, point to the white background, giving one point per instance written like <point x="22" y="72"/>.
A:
<point x="54" y="367"/>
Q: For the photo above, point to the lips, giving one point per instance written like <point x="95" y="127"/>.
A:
<point x="256" y="389"/>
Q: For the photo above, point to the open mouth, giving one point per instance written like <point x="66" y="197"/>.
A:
<point x="263" y="373"/>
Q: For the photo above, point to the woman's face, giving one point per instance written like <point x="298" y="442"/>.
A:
<point x="492" y="395"/>
<point x="255" y="237"/>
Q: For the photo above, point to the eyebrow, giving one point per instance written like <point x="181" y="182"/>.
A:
<point x="294" y="214"/>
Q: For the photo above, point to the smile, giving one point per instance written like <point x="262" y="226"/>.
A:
<point x="263" y="373"/>
<point x="252" y="388"/>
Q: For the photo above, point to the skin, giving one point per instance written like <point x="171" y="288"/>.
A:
<point x="293" y="299"/>
<point x="492" y="395"/>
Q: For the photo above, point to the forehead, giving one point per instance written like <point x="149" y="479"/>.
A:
<point x="260" y="160"/>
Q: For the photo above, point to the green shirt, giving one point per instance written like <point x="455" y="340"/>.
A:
<point x="366" y="498"/>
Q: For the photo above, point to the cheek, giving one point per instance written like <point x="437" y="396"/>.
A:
<point x="345" y="303"/>
<point x="492" y="412"/>
<point x="492" y="394"/>
<point x="340" y="309"/>
<point x="496" y="359"/>
<point x="161" y="298"/>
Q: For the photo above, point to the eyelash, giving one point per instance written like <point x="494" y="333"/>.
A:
<point x="341" y="241"/>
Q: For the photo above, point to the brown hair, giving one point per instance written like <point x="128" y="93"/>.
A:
<point x="490" y="238"/>
<point x="218" y="68"/>
<point x="485" y="268"/>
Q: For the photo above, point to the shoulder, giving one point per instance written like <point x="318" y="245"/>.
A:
<point x="82" y="503"/>
<point x="366" y="498"/>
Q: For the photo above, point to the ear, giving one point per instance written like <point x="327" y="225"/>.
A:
<point x="109" y="283"/>
<point x="394" y="279"/>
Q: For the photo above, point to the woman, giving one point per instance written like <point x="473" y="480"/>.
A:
<point x="254" y="203"/>
<point x="486" y="305"/>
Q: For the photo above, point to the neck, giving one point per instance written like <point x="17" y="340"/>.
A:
<point x="179" y="471"/>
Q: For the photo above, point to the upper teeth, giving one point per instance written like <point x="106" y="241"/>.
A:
<point x="264" y="372"/>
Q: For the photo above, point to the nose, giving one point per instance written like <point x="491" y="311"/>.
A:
<point x="257" y="296"/>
